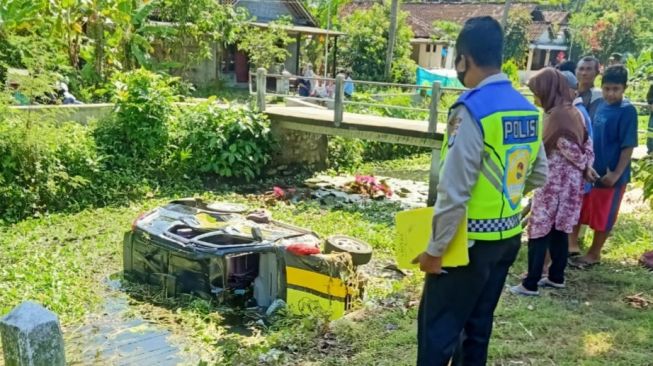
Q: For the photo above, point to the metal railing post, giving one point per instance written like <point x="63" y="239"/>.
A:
<point x="433" y="108"/>
<point x="339" y="107"/>
<point x="261" y="85"/>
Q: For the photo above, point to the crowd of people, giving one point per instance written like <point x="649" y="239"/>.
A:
<point x="574" y="152"/>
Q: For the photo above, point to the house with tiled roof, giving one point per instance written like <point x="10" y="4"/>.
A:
<point x="302" y="28"/>
<point x="548" y="34"/>
<point x="232" y="65"/>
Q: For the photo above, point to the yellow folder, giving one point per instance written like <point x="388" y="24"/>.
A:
<point x="414" y="232"/>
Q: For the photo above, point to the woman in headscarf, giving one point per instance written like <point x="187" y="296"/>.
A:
<point x="556" y="206"/>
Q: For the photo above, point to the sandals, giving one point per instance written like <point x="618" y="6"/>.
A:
<point x="582" y="263"/>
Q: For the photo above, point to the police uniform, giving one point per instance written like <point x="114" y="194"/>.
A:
<point x="492" y="154"/>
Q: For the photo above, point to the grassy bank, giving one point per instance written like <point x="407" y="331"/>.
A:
<point x="64" y="261"/>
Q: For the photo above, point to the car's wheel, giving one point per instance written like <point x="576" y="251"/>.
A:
<point x="360" y="251"/>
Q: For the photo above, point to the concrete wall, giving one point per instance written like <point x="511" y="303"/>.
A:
<point x="296" y="147"/>
<point x="301" y="148"/>
<point x="82" y="113"/>
<point x="205" y="72"/>
<point x="429" y="56"/>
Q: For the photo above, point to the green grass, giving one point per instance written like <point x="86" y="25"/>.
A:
<point x="63" y="261"/>
<point x="642" y="126"/>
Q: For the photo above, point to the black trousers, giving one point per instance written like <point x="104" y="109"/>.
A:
<point x="557" y="243"/>
<point x="457" y="308"/>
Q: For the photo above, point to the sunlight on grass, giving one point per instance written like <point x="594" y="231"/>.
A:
<point x="596" y="344"/>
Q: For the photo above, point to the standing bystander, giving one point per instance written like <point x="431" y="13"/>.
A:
<point x="615" y="137"/>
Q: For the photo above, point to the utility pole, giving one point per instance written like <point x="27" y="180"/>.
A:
<point x="392" y="37"/>
<point x="506" y="10"/>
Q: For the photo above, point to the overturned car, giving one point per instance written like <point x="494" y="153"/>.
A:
<point x="219" y="251"/>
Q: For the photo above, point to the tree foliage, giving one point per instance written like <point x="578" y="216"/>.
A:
<point x="516" y="33"/>
<point x="366" y="44"/>
<point x="602" y="27"/>
<point x="90" y="40"/>
<point x="446" y="30"/>
<point x="266" y="46"/>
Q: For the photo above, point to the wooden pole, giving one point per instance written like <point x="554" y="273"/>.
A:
<point x="392" y="36"/>
<point x="261" y="85"/>
<point x="339" y="105"/>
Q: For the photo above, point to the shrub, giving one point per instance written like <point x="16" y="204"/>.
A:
<point x="229" y="141"/>
<point x="136" y="134"/>
<point x="644" y="173"/>
<point x="510" y="68"/>
<point x="345" y="153"/>
<point x="45" y="167"/>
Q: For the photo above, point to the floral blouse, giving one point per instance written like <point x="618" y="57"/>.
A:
<point x="557" y="204"/>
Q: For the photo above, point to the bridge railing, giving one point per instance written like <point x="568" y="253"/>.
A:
<point x="336" y="97"/>
<point x="337" y="100"/>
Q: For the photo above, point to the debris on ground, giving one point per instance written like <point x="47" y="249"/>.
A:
<point x="274" y="307"/>
<point x="271" y="357"/>
<point x="368" y="186"/>
<point x="639" y="301"/>
<point x="358" y="189"/>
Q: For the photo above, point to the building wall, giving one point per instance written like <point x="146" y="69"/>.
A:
<point x="205" y="72"/>
<point x="291" y="61"/>
<point x="429" y="56"/>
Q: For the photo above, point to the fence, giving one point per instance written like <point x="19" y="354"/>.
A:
<point x="339" y="101"/>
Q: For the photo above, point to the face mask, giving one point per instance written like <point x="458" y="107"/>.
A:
<point x="461" y="74"/>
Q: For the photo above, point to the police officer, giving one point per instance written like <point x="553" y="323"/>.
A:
<point x="491" y="155"/>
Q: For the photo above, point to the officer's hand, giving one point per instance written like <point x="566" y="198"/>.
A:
<point x="429" y="263"/>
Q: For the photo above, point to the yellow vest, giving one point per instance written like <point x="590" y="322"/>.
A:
<point x="512" y="135"/>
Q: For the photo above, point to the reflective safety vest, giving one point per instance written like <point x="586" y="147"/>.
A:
<point x="512" y="135"/>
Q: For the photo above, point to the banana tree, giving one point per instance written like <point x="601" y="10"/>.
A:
<point x="19" y="15"/>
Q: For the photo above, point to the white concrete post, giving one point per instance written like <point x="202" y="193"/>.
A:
<point x="283" y="87"/>
<point x="261" y="85"/>
<point x="433" y="107"/>
<point x="31" y="336"/>
<point x="339" y="105"/>
<point x="529" y="64"/>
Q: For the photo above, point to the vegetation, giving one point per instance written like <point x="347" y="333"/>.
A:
<point x="223" y="141"/>
<point x="447" y="30"/>
<point x="517" y="41"/>
<point x="145" y="142"/>
<point x="602" y="27"/>
<point x="591" y="322"/>
<point x="364" y="48"/>
<point x="266" y="47"/>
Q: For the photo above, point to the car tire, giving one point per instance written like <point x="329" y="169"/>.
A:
<point x="360" y="251"/>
